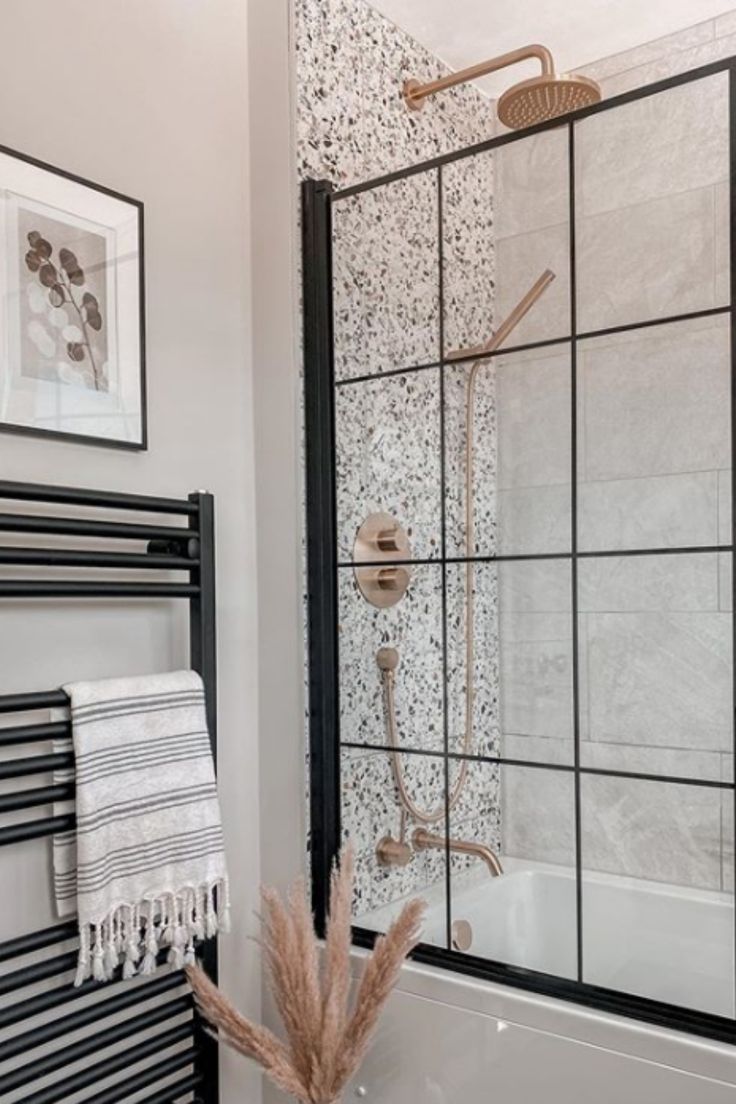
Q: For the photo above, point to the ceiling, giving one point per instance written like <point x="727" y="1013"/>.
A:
<point x="462" y="32"/>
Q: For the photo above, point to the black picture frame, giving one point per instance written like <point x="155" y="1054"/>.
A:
<point x="139" y="441"/>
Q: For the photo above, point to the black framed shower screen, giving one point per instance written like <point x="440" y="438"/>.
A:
<point x="324" y="562"/>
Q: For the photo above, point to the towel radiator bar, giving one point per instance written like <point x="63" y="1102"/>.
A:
<point x="158" y="1052"/>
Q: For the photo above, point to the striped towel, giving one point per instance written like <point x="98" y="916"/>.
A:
<point x="145" y="868"/>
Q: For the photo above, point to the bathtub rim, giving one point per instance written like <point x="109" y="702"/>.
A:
<point x="660" y="1041"/>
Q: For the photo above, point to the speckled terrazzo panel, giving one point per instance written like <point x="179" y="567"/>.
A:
<point x="485" y="505"/>
<point x="370" y="811"/>
<point x="485" y="671"/>
<point x="385" y="260"/>
<point x="414" y="628"/>
<point x="469" y="252"/>
<point x="388" y="450"/>
<point x="352" y="125"/>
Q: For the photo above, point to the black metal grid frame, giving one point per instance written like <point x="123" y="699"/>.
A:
<point x="323" y="564"/>
<point x="186" y="546"/>
<point x="137" y="205"/>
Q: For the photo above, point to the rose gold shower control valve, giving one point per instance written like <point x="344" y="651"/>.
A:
<point x="393" y="852"/>
<point x="381" y="541"/>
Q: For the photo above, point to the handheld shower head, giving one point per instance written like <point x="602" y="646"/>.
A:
<point x="530" y="101"/>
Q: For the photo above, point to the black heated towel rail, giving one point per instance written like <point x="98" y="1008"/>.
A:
<point x="114" y="1041"/>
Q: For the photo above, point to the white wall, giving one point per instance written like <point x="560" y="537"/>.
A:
<point x="150" y="97"/>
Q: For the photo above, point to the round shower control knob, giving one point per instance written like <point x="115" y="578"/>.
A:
<point x="387" y="659"/>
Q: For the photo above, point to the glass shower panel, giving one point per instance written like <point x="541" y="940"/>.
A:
<point x="531" y="233"/>
<point x="527" y="916"/>
<point x="519" y="411"/>
<point x="554" y="689"/>
<point x="388" y="458"/>
<point x="386" y="278"/>
<point x="414" y="628"/>
<point x="505" y="219"/>
<point x="658" y="891"/>
<point x="654" y="437"/>
<point x="656" y="666"/>
<point x="521" y="652"/>
<point x="651" y="200"/>
<point x="370" y="813"/>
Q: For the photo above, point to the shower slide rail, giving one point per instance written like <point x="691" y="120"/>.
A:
<point x="109" y="1042"/>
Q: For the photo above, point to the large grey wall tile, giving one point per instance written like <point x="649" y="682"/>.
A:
<point x="535" y="640"/>
<point x="388" y="450"/>
<point x="648" y="52"/>
<point x="721" y="219"/>
<point x="658" y="831"/>
<point x="538" y="814"/>
<point x="520" y="261"/>
<point x="724" y="507"/>
<point x="535" y="587"/>
<point x="475" y="813"/>
<point x="536" y="689"/>
<point x="656" y="402"/>
<point x="533" y="419"/>
<point x="660" y="145"/>
<point x="660" y="679"/>
<point x="385" y="258"/>
<point x="536" y="749"/>
<point x="669" y="65"/>
<point x="727" y="840"/>
<point x="414" y="627"/>
<point x="531" y="183"/>
<point x="665" y="761"/>
<point x="666" y="511"/>
<point x="634" y="584"/>
<point x="534" y="519"/>
<point x="725" y="581"/>
<point x="653" y="260"/>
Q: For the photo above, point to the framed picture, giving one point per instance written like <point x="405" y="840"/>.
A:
<point x="72" y="345"/>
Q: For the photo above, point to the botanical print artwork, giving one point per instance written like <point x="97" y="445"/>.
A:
<point x="63" y="326"/>
<point x="72" y="304"/>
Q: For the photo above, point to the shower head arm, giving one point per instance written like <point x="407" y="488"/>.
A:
<point x="416" y="93"/>
<point x="509" y="323"/>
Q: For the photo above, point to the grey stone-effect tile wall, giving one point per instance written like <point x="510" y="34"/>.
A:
<point x="654" y="456"/>
<point x="352" y="125"/>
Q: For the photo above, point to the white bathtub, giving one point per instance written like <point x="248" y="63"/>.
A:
<point x="653" y="940"/>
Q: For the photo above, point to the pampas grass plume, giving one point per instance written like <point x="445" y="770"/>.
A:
<point x="326" y="1037"/>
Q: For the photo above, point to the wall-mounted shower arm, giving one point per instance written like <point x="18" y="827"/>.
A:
<point x="416" y="93"/>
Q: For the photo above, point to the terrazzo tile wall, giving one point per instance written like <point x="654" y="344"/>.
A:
<point x="352" y="125"/>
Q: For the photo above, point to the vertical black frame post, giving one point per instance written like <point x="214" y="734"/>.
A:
<point x="732" y="319"/>
<point x="574" y="550"/>
<point x="319" y="416"/>
<point x="443" y="546"/>
<point x="203" y="658"/>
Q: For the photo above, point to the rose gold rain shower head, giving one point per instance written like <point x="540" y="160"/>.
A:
<point x="531" y="101"/>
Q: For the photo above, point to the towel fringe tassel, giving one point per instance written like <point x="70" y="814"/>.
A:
<point x="138" y="933"/>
